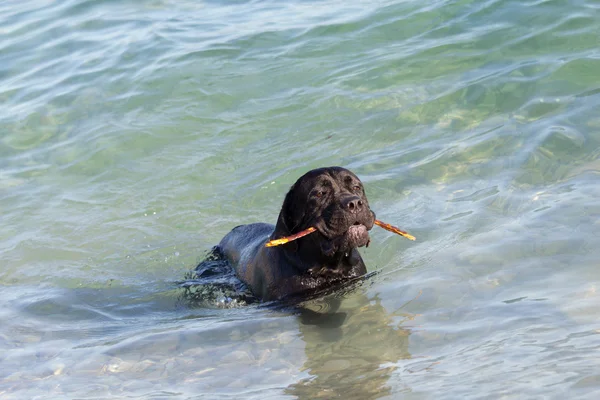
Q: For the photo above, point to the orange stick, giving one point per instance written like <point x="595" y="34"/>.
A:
<point x="284" y="240"/>
<point x="287" y="239"/>
<point x="392" y="228"/>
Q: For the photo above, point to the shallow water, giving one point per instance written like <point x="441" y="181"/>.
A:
<point x="134" y="135"/>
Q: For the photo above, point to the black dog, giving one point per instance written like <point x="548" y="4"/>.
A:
<point x="333" y="201"/>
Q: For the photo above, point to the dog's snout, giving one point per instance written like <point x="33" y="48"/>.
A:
<point x="352" y="203"/>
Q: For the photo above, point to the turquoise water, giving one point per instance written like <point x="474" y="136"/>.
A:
<point x="135" y="134"/>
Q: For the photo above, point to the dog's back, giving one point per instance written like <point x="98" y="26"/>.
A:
<point x="242" y="247"/>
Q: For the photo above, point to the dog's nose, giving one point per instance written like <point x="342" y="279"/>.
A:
<point x="352" y="203"/>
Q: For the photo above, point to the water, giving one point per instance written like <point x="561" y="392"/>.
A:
<point x="135" y="134"/>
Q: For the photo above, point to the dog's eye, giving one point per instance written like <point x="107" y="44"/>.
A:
<point x="319" y="193"/>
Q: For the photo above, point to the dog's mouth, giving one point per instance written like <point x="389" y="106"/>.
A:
<point x="357" y="235"/>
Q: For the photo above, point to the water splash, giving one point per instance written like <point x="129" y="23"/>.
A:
<point x="213" y="284"/>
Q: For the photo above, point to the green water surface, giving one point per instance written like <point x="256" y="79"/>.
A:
<point x="135" y="134"/>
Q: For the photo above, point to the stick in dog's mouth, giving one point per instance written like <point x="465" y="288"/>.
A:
<point x="287" y="239"/>
<point x="284" y="240"/>
<point x="394" y="229"/>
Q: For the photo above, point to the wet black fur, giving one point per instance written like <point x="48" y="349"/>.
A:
<point x="330" y="199"/>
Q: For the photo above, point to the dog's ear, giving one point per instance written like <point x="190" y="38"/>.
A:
<point x="289" y="218"/>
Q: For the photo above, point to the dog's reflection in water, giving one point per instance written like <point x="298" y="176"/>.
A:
<point x="350" y="352"/>
<point x="351" y="342"/>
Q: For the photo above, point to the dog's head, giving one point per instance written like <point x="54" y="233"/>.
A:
<point x="333" y="201"/>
